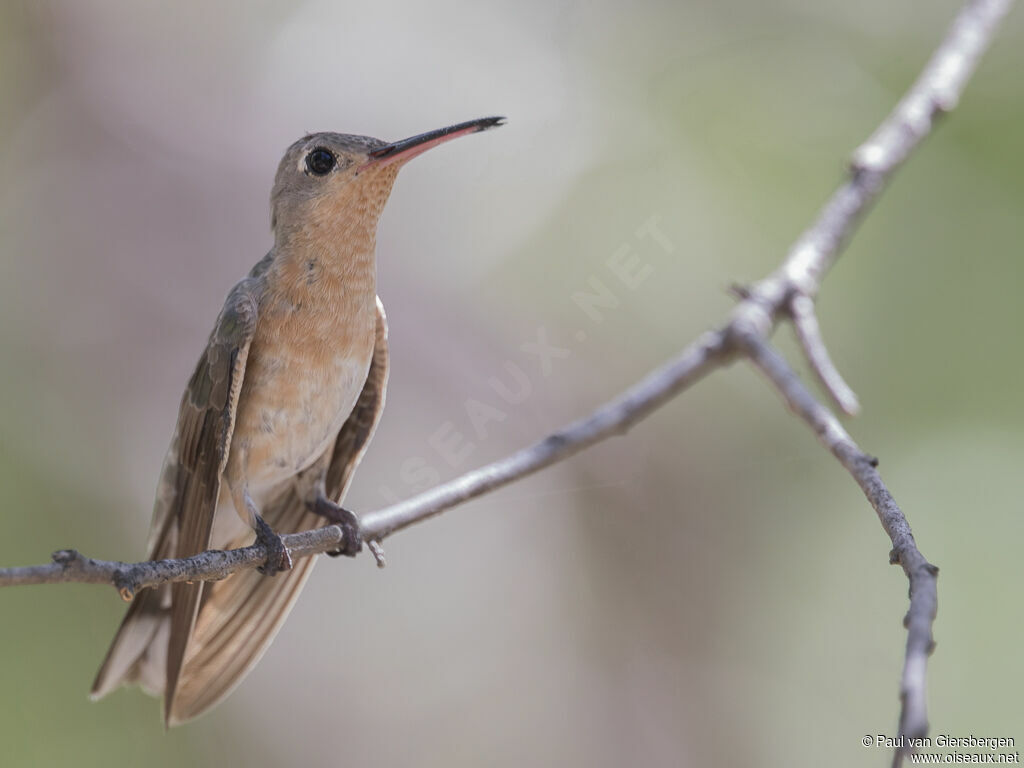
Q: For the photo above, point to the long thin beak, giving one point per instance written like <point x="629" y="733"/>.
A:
<point x="406" y="149"/>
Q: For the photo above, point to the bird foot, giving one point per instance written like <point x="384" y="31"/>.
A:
<point x="278" y="558"/>
<point x="345" y="520"/>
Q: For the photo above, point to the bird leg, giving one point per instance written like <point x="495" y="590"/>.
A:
<point x="344" y="519"/>
<point x="278" y="558"/>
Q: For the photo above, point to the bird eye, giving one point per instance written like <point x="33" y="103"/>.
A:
<point x="320" y="161"/>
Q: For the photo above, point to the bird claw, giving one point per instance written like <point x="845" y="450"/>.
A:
<point x="278" y="558"/>
<point x="344" y="519"/>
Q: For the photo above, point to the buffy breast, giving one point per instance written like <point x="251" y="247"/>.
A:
<point x="294" y="402"/>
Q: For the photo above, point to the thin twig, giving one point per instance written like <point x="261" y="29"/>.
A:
<point x="921" y="574"/>
<point x="70" y="565"/>
<point x="788" y="292"/>
<point x="612" y="418"/>
<point x="808" y="332"/>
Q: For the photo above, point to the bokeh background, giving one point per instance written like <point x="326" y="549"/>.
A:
<point x="711" y="589"/>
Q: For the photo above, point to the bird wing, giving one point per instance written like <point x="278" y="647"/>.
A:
<point x="187" y="499"/>
<point x="239" y="616"/>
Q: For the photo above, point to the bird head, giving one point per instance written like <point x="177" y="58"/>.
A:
<point x="331" y="177"/>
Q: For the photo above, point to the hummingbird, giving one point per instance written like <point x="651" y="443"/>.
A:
<point x="272" y="425"/>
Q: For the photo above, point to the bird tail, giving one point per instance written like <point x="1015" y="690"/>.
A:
<point x="238" y="621"/>
<point x="138" y="654"/>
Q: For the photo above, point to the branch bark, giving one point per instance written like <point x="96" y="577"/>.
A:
<point x="787" y="293"/>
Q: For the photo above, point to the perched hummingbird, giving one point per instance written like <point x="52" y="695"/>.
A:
<point x="273" y="423"/>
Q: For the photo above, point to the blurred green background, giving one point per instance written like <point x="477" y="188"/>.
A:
<point x="711" y="588"/>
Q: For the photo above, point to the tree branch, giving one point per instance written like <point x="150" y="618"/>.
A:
<point x="921" y="574"/>
<point x="787" y="293"/>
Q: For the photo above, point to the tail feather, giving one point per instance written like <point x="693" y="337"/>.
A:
<point x="138" y="654"/>
<point x="238" y="620"/>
